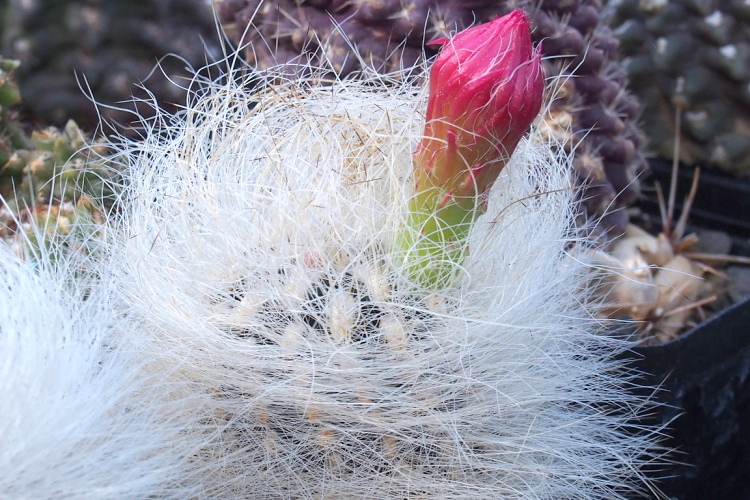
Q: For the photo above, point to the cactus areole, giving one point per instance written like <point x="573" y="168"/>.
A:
<point x="486" y="88"/>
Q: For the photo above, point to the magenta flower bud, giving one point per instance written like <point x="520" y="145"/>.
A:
<point x="486" y="88"/>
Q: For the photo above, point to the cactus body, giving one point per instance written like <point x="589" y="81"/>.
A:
<point x="693" y="57"/>
<point x="254" y="243"/>
<point x="53" y="182"/>
<point x="106" y="49"/>
<point x="48" y="178"/>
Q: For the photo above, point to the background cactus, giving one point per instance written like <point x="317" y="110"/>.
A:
<point x="46" y="176"/>
<point x="592" y="113"/>
<point x="12" y="135"/>
<point x="51" y="167"/>
<point x="694" y="56"/>
<point x="111" y="46"/>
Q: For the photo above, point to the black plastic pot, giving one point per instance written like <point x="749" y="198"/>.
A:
<point x="705" y="373"/>
<point x="705" y="380"/>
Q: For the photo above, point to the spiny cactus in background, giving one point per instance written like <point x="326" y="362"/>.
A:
<point x="12" y="135"/>
<point x="693" y="57"/>
<point x="113" y="45"/>
<point x="47" y="176"/>
<point x="592" y="114"/>
<point x="52" y="169"/>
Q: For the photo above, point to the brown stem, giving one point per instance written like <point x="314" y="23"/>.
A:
<point x="711" y="257"/>
<point x="675" y="165"/>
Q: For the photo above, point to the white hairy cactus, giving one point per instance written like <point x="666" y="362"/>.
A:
<point x="81" y="414"/>
<point x="253" y="257"/>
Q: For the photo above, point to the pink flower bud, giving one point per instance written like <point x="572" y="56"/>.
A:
<point x="485" y="90"/>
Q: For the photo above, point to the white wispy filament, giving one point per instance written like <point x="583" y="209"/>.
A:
<point x="82" y="414"/>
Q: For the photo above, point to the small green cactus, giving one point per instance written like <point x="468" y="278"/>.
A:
<point x="11" y="134"/>
<point x="47" y="177"/>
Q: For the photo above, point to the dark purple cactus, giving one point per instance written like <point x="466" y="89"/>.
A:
<point x="108" y="47"/>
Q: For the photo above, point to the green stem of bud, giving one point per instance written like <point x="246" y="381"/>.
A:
<point x="434" y="239"/>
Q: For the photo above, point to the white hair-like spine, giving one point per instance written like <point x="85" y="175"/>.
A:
<point x="82" y="413"/>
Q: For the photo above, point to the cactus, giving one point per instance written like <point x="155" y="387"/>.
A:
<point x="52" y="167"/>
<point x="58" y="186"/>
<point x="12" y="135"/>
<point x="249" y="329"/>
<point x="105" y="48"/>
<point x="592" y="115"/>
<point x="48" y="178"/>
<point x="254" y="249"/>
<point x="691" y="58"/>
